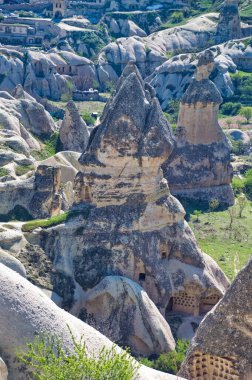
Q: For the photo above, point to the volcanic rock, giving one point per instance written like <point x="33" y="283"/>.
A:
<point x="199" y="167"/>
<point x="74" y="134"/>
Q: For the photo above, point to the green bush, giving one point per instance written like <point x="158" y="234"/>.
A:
<point x="47" y="360"/>
<point x="177" y="17"/>
<point x="238" y="185"/>
<point x="169" y="362"/>
<point x="248" y="183"/>
<point x="231" y="109"/>
<point x="89" y="120"/>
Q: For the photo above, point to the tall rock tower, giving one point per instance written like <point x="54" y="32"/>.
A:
<point x="59" y="8"/>
<point x="229" y="26"/>
<point x="199" y="167"/>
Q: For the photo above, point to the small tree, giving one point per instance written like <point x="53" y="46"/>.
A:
<point x="229" y="123"/>
<point x="197" y="213"/>
<point x="232" y="216"/>
<point x="214" y="204"/>
<point x="238" y="185"/>
<point x="242" y="203"/>
<point x="239" y="124"/>
<point x="247" y="113"/>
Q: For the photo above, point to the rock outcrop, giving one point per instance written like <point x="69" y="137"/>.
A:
<point x="128" y="223"/>
<point x="74" y="134"/>
<point x="25" y="312"/>
<point x="11" y="262"/>
<point x="35" y="197"/>
<point x="199" y="167"/>
<point x="229" y="26"/>
<point x="222" y="345"/>
<point x="121" y="309"/>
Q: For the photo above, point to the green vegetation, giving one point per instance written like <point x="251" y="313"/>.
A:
<point x="169" y="362"/>
<point x="230" y="109"/>
<point x="23" y="169"/>
<point x="50" y="146"/>
<point x="88" y="118"/>
<point x="246" y="112"/>
<point x="3" y="172"/>
<point x="242" y="82"/>
<point x="54" y="220"/>
<point x="226" y="236"/>
<point x="84" y="107"/>
<point x="47" y="359"/>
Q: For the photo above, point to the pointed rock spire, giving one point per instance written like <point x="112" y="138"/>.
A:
<point x="74" y="134"/>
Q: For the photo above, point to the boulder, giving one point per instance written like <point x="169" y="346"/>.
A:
<point x="25" y="312"/>
<point x="73" y="133"/>
<point x="222" y="345"/>
<point x="121" y="310"/>
<point x="199" y="167"/>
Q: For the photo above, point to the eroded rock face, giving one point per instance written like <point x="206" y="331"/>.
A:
<point x="129" y="224"/>
<point x="25" y="308"/>
<point x="74" y="134"/>
<point x="229" y="26"/>
<point x="199" y="167"/>
<point x="122" y="311"/>
<point x="222" y="345"/>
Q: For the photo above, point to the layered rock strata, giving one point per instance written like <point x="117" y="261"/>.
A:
<point x="199" y="167"/>
<point x="131" y="226"/>
<point x="74" y="134"/>
<point x="222" y="345"/>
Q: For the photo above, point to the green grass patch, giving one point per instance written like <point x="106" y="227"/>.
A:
<point x="3" y="172"/>
<point x="49" y="149"/>
<point x="54" y="220"/>
<point x="23" y="169"/>
<point x="229" y="247"/>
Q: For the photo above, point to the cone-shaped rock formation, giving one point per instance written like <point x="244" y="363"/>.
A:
<point x="132" y="226"/>
<point x="229" y="26"/>
<point x="74" y="134"/>
<point x="199" y="167"/>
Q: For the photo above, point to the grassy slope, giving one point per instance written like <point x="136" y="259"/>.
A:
<point x="231" y="249"/>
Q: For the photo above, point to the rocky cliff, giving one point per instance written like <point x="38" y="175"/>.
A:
<point x="222" y="345"/>
<point x="199" y="167"/>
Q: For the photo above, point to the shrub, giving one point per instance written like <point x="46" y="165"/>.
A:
<point x="238" y="185"/>
<point x="248" y="183"/>
<point x="169" y="362"/>
<point x="231" y="109"/>
<point x="47" y="359"/>
<point x="177" y="17"/>
<point x="246" y="112"/>
<point x="89" y="120"/>
<point x="50" y="147"/>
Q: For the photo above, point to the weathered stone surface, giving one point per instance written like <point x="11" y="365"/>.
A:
<point x="38" y="196"/>
<point x="121" y="310"/>
<point x="74" y="134"/>
<point x="222" y="345"/>
<point x="199" y="167"/>
<point x="11" y="262"/>
<point x="24" y="308"/>
<point x="129" y="224"/>
<point x="229" y="26"/>
<point x="3" y="370"/>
